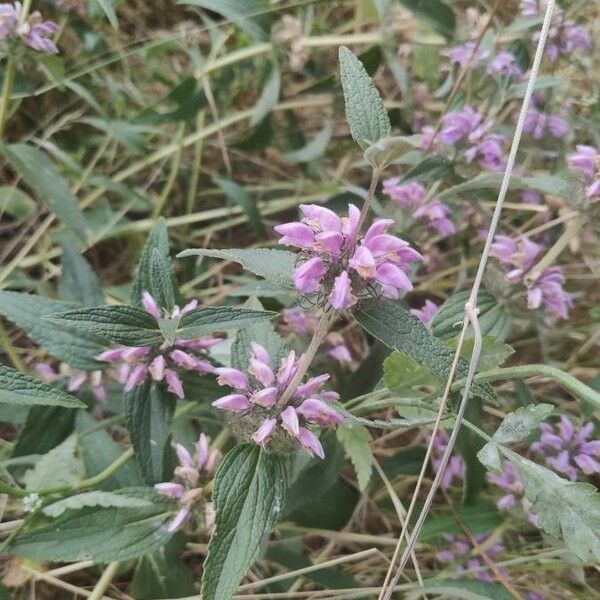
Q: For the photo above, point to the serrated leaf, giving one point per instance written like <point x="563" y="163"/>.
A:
<point x="435" y="12"/>
<point x="567" y="510"/>
<point x="274" y="265"/>
<point x="248" y="498"/>
<point x="463" y="589"/>
<point x="268" y="98"/>
<point x="313" y="149"/>
<point x="56" y="468"/>
<point x="356" y="440"/>
<point x="99" y="534"/>
<point x="385" y="151"/>
<point x="515" y="427"/>
<point x="236" y="193"/>
<point x="78" y="283"/>
<point x="393" y="324"/>
<point x="95" y="498"/>
<point x="39" y="173"/>
<point x="18" y="388"/>
<point x="248" y="15"/>
<point x="125" y="325"/>
<point x="493" y="351"/>
<point x="29" y="312"/>
<point x="204" y="321"/>
<point x="402" y="373"/>
<point x="149" y="411"/>
<point x="365" y="112"/>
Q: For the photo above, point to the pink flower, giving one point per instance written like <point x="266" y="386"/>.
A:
<point x="308" y="276"/>
<point x="426" y="313"/>
<point x="233" y="403"/>
<point x="341" y="296"/>
<point x="585" y="160"/>
<point x="319" y="412"/>
<point x="310" y="442"/>
<point x="263" y="433"/>
<point x="505" y="64"/>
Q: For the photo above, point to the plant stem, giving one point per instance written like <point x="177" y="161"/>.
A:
<point x="9" y="77"/>
<point x="104" y="581"/>
<point x="11" y="352"/>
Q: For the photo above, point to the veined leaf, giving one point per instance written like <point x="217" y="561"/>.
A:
<point x="385" y="151"/>
<point x="203" y="321"/>
<point x="516" y="427"/>
<point x="391" y="323"/>
<point x="95" y="498"/>
<point x="148" y="412"/>
<point x="236" y="193"/>
<point x="356" y="440"/>
<point x="57" y="467"/>
<point x="18" y="388"/>
<point x="78" y="283"/>
<point x="39" y="173"/>
<point x="100" y="534"/>
<point x="274" y="265"/>
<point x="365" y="112"/>
<point x="403" y="373"/>
<point x="125" y="325"/>
<point x="248" y="498"/>
<point x="493" y="351"/>
<point x="566" y="509"/>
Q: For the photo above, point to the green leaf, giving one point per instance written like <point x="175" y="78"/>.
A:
<point x="125" y="325"/>
<point x="109" y="10"/>
<point x="385" y="151"/>
<point x="356" y="440"/>
<point x="78" y="283"/>
<point x="39" y="173"/>
<point x="313" y="149"/>
<point x="95" y="498"/>
<point x="543" y="82"/>
<point x="391" y="323"/>
<point x="401" y="373"/>
<point x="163" y="574"/>
<point x="268" y="98"/>
<point x="436" y="13"/>
<point x="515" y="427"/>
<point x="203" y="321"/>
<point x="248" y="497"/>
<point x="100" y="534"/>
<point x="274" y="265"/>
<point x="465" y="589"/>
<point x="15" y="203"/>
<point x="158" y="239"/>
<point x="98" y="450"/>
<point x="365" y="112"/>
<point x="58" y="467"/>
<point x="494" y="319"/>
<point x="431" y="168"/>
<point x="162" y="287"/>
<point x="18" y="388"/>
<point x="248" y="15"/>
<point x="566" y="509"/>
<point x="238" y="194"/>
<point x="493" y="351"/>
<point x="149" y="411"/>
<point x="29" y="312"/>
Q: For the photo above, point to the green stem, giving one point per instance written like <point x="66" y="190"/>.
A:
<point x="176" y="162"/>
<point x="9" y="77"/>
<point x="84" y="483"/>
<point x="104" y="581"/>
<point x="11" y="352"/>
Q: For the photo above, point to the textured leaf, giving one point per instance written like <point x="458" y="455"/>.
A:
<point x="236" y="193"/>
<point x="313" y="149"/>
<point x="274" y="265"/>
<point x="515" y="427"/>
<point x="28" y="312"/>
<point x="365" y="112"/>
<point x="493" y="351"/>
<point x="95" y="498"/>
<point x="402" y="373"/>
<point x="435" y="12"/>
<point x="204" y="321"/>
<point x="78" y="283"/>
<point x="567" y="510"/>
<point x="58" y="467"/>
<point x="356" y="440"/>
<point x="18" y="388"/>
<point x="100" y="534"/>
<point x="39" y="173"/>
<point x="391" y="323"/>
<point x="248" y="15"/>
<point x="161" y="285"/>
<point x="268" y="98"/>
<point x="248" y="498"/>
<point x="464" y="589"/>
<point x="385" y="151"/>
<point x="125" y="325"/>
<point x="148" y="412"/>
<point x="431" y="168"/>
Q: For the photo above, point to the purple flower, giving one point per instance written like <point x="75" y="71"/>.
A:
<point x="505" y="64"/>
<point x="466" y="54"/>
<point x="426" y="313"/>
<point x="569" y="450"/>
<point x="257" y="397"/>
<point x="346" y="263"/>
<point x="164" y="362"/>
<point x="585" y="160"/>
<point x="36" y="33"/>
<point x="547" y="291"/>
<point x="77" y="6"/>
<point x="190" y="471"/>
<point x="455" y="469"/>
<point x="436" y="214"/>
<point x="407" y="195"/>
<point x="459" y="124"/>
<point x="74" y="379"/>
<point x="538" y="124"/>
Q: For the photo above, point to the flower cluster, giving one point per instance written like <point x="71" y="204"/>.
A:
<point x="455" y="469"/>
<point x="33" y="31"/>
<point x="461" y="551"/>
<point x="301" y="322"/>
<point x="412" y="195"/>
<point x="539" y="124"/>
<point x="586" y="161"/>
<point x="569" y="450"/>
<point x="426" y="313"/>
<point x="547" y="290"/>
<point x="342" y="260"/>
<point x="189" y="473"/>
<point x="75" y="379"/>
<point x="504" y="63"/>
<point x="257" y="398"/>
<point x="138" y="363"/>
